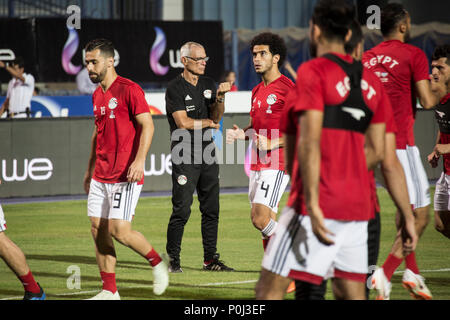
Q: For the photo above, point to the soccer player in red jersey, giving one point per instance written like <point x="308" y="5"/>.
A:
<point x="341" y="126"/>
<point x="441" y="83"/>
<point x="267" y="175"/>
<point x="115" y="174"/>
<point x="403" y="70"/>
<point x="392" y="171"/>
<point x="16" y="261"/>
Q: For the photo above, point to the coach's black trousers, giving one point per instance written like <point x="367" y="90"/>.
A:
<point x="205" y="179"/>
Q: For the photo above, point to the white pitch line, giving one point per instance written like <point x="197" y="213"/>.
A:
<point x="137" y="287"/>
<point x="199" y="285"/>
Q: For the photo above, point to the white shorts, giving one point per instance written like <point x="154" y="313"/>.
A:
<point x="2" y="220"/>
<point x="294" y="251"/>
<point x="441" y="194"/>
<point x="416" y="177"/>
<point x="113" y="200"/>
<point x="266" y="187"/>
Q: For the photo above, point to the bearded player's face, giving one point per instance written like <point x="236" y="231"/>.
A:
<point x="97" y="65"/>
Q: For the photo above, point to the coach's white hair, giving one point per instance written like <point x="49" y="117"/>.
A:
<point x="186" y="48"/>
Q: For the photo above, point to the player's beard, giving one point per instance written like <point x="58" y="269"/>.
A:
<point x="312" y="48"/>
<point x="99" y="76"/>
<point x="407" y="37"/>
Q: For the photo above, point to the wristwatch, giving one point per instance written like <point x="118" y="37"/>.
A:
<point x="220" y="100"/>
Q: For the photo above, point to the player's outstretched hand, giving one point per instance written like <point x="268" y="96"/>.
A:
<point x="433" y="159"/>
<point x="136" y="171"/>
<point x="234" y="134"/>
<point x="318" y="227"/>
<point x="441" y="149"/>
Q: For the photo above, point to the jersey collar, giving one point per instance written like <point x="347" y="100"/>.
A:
<point x="445" y="99"/>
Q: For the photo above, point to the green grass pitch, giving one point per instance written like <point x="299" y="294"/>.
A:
<point x="56" y="240"/>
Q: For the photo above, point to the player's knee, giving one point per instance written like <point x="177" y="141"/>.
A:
<point x="120" y="235"/>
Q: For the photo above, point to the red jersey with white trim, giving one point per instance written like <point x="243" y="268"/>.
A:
<point x="324" y="86"/>
<point x="118" y="134"/>
<point x="399" y="66"/>
<point x="442" y="115"/>
<point x="267" y="106"/>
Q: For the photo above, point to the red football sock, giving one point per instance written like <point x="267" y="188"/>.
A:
<point x="29" y="283"/>
<point x="390" y="265"/>
<point x="411" y="263"/>
<point x="109" y="281"/>
<point x="265" y="242"/>
<point x="153" y="257"/>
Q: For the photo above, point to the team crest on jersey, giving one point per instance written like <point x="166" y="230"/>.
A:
<point x="271" y="99"/>
<point x="112" y="105"/>
<point x="207" y="94"/>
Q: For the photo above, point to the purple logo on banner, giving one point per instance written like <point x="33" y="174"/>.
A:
<point x="70" y="47"/>
<point x="158" y="48"/>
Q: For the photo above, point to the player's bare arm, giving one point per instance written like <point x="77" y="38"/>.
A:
<point x="289" y="151"/>
<point x="308" y="149"/>
<point x="428" y="98"/>
<point x="433" y="157"/>
<point x="5" y="106"/>
<point x="91" y="163"/>
<point x="265" y="144"/>
<point x="12" y="71"/>
<point x="375" y="144"/>
<point x="184" y="122"/>
<point x="396" y="184"/>
<point x="218" y="108"/>
<point x="136" y="169"/>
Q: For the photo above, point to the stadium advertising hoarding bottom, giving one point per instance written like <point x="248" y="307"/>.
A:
<point x="48" y="156"/>
<point x="74" y="106"/>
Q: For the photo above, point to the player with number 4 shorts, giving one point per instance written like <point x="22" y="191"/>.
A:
<point x="268" y="179"/>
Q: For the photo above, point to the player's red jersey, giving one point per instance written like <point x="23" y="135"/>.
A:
<point x="267" y="106"/>
<point x="442" y="114"/>
<point x="399" y="66"/>
<point x="390" y="128"/>
<point x="289" y="126"/>
<point x="323" y="85"/>
<point x="118" y="134"/>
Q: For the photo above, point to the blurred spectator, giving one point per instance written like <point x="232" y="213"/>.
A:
<point x="230" y="76"/>
<point x="84" y="83"/>
<point x="20" y="90"/>
<point x="291" y="70"/>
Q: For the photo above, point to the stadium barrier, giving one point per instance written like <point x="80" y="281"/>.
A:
<point x="48" y="156"/>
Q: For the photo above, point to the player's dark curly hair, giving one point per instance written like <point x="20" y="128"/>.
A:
<point x="333" y="18"/>
<point x="105" y="46"/>
<point x="275" y="42"/>
<point x="357" y="37"/>
<point x="19" y="61"/>
<point x="442" y="52"/>
<point x="391" y="15"/>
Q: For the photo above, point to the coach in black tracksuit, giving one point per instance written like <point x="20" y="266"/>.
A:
<point x="194" y="108"/>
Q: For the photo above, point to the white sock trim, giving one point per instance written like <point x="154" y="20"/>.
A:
<point x="269" y="229"/>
